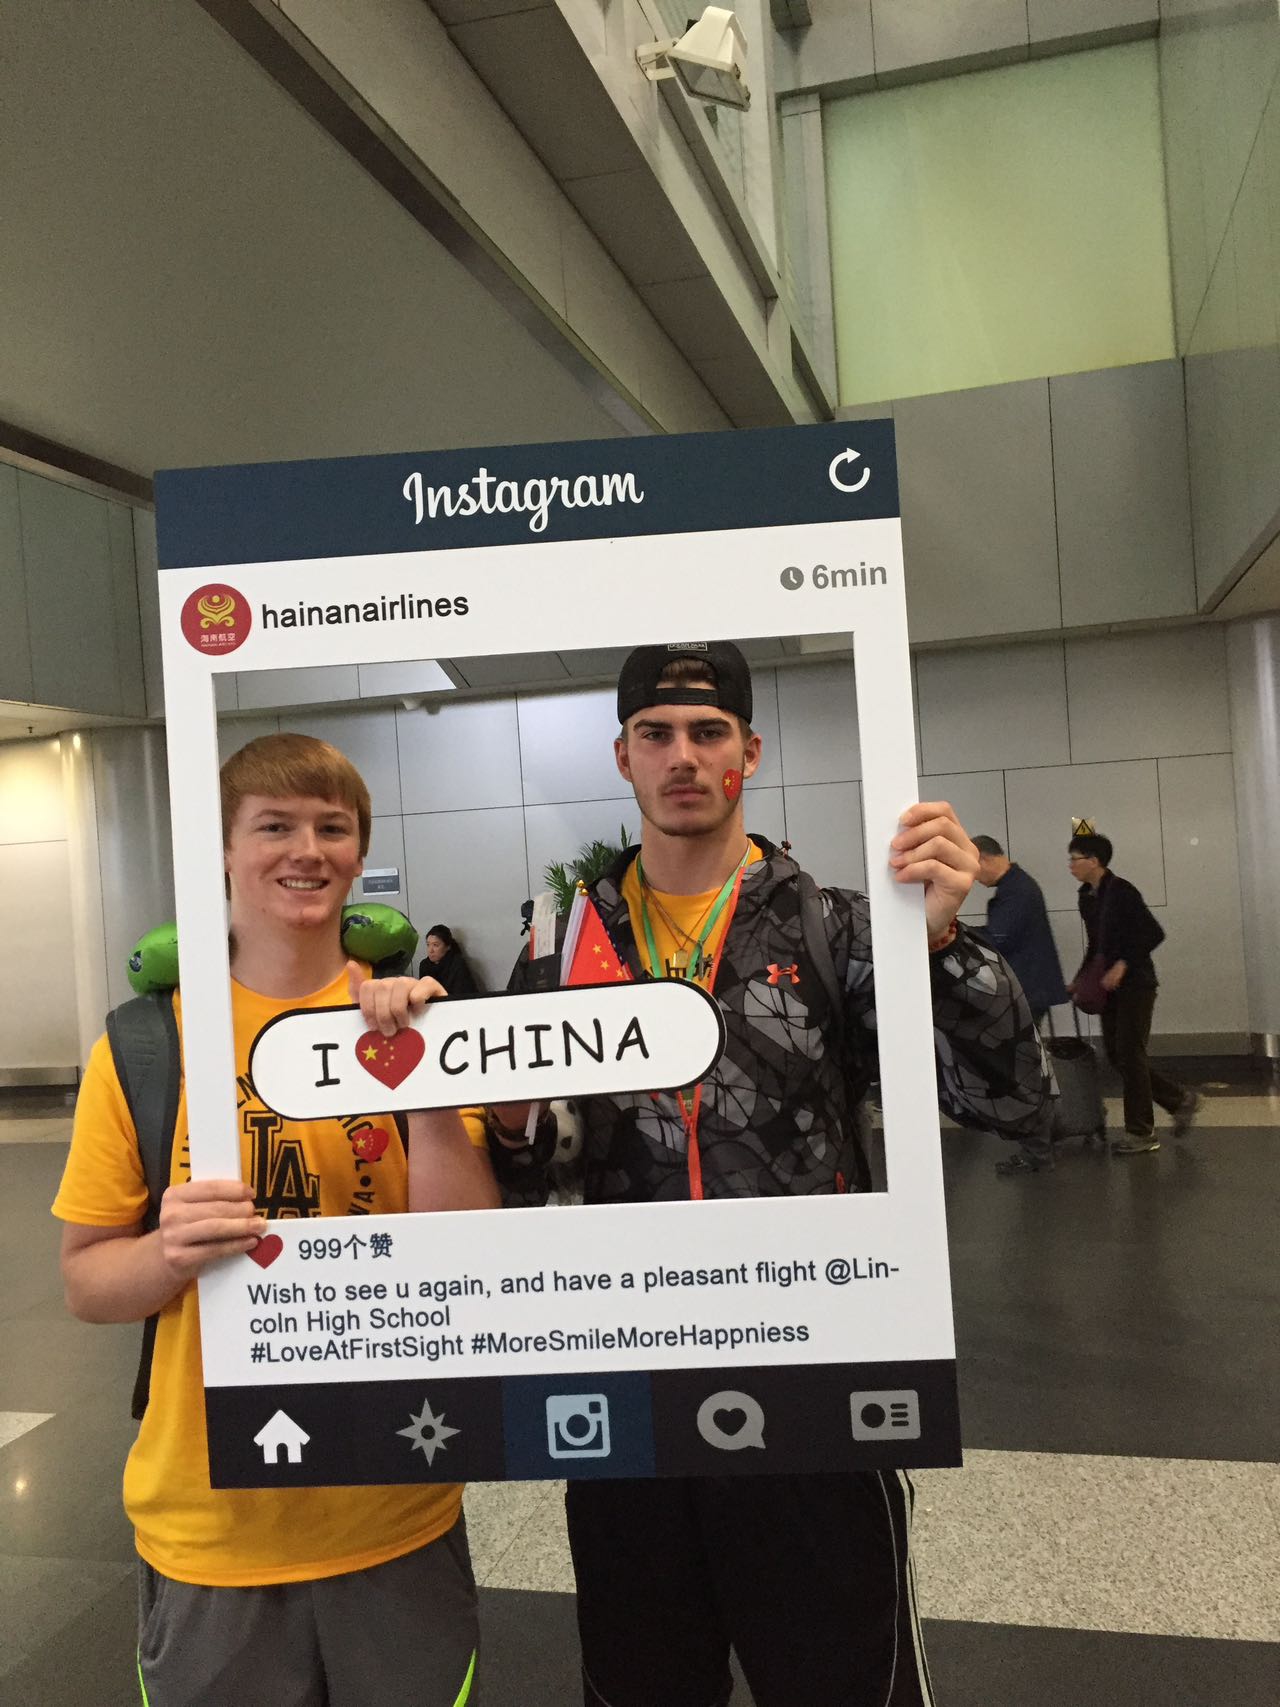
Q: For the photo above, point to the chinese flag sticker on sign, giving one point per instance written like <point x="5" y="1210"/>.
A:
<point x="390" y="1060"/>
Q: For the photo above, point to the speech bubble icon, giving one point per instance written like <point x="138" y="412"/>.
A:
<point x="731" y="1421"/>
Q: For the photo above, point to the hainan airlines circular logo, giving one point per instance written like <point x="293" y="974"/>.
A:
<point x="216" y="620"/>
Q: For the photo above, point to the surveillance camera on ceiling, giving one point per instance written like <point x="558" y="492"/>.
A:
<point x="709" y="59"/>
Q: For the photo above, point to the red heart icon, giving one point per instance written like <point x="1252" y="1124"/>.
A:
<point x="267" y="1249"/>
<point x="369" y="1142"/>
<point x="390" y="1059"/>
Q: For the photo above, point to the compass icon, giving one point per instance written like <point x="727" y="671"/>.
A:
<point x="427" y="1432"/>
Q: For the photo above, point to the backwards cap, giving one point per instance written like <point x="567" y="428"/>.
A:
<point x="638" y="682"/>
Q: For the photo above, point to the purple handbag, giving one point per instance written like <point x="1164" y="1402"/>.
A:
<point x="1090" y="994"/>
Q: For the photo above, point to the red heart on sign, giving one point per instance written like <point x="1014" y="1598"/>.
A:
<point x="390" y="1059"/>
<point x="265" y="1252"/>
<point x="369" y="1142"/>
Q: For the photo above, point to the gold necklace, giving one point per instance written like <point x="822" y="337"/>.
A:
<point x="682" y="958"/>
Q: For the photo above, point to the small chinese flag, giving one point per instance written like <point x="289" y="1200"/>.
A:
<point x="593" y="958"/>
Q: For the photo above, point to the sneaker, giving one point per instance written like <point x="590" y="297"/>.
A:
<point x="1135" y="1144"/>
<point x="1188" y="1109"/>
<point x="1021" y="1164"/>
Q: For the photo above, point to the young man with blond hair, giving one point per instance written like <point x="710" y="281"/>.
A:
<point x="299" y="1597"/>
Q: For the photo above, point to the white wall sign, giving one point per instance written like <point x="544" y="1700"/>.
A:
<point x="618" y="1340"/>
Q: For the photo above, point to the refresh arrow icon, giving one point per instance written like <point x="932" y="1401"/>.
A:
<point x="842" y="458"/>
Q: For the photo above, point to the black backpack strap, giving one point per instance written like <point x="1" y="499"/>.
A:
<point x="143" y="1035"/>
<point x="817" y="948"/>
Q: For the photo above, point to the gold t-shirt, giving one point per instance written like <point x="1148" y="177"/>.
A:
<point x="686" y="912"/>
<point x="184" y="1528"/>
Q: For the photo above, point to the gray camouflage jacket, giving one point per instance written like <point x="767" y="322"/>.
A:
<point x="779" y="1113"/>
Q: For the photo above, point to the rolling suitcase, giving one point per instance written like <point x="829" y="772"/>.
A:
<point x="1078" y="1109"/>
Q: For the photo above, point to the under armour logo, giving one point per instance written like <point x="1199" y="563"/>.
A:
<point x="792" y="972"/>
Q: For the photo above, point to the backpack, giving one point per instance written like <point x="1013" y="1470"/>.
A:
<point x="143" y="1035"/>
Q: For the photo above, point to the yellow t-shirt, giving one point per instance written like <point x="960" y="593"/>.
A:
<point x="184" y="1528"/>
<point x="687" y="912"/>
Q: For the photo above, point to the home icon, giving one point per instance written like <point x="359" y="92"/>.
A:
<point x="281" y="1432"/>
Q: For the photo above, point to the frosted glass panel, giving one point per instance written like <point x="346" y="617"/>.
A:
<point x="999" y="226"/>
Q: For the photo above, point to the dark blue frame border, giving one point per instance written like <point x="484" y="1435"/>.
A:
<point x="691" y="483"/>
<point x="503" y="1425"/>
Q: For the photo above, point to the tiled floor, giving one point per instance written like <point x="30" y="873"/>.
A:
<point x="1113" y="1541"/>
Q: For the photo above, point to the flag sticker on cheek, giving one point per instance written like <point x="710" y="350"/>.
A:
<point x="731" y="782"/>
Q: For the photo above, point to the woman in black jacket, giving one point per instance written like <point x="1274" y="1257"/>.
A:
<point x="446" y="963"/>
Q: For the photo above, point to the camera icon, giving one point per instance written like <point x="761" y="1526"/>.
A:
<point x="886" y="1415"/>
<point x="578" y="1425"/>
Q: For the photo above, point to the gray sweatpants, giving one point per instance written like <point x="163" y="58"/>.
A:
<point x="401" y="1634"/>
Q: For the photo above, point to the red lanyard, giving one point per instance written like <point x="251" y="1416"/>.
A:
<point x="689" y="1112"/>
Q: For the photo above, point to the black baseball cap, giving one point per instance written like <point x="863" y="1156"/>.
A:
<point x="638" y="681"/>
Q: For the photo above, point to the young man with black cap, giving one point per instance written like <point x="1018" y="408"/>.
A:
<point x="807" y="1578"/>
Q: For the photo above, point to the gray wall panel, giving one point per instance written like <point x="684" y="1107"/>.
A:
<point x="824" y="826"/>
<point x="764" y="720"/>
<point x="1139" y="696"/>
<point x="368" y="738"/>
<point x="459" y="754"/>
<point x="819" y="719"/>
<point x="836" y="48"/>
<point x="1253" y="649"/>
<point x="555" y="833"/>
<point x="910" y="34"/>
<point x="70" y="596"/>
<point x="566" y="746"/>
<point x="1211" y="416"/>
<point x="128" y="624"/>
<point x="237" y="732"/>
<point x="324" y="684"/>
<point x="1122" y="492"/>
<point x="766" y="814"/>
<point x="1201" y="964"/>
<point x="1123" y="800"/>
<point x="1255" y="381"/>
<point x="978" y="531"/>
<point x="1068" y="937"/>
<point x="1062" y="20"/>
<point x="990" y="708"/>
<point x="148" y="574"/>
<point x="135" y="850"/>
<point x="386" y="852"/>
<point x="15" y="638"/>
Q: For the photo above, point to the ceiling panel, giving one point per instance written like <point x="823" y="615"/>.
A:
<point x="194" y="272"/>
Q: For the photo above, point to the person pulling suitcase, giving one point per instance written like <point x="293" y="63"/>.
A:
<point x="1018" y="928"/>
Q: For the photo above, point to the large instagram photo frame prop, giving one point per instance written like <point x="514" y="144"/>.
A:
<point x="610" y="544"/>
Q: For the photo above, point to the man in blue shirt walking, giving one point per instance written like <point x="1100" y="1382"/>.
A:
<point x="1018" y="927"/>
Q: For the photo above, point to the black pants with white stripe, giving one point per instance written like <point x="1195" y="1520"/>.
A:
<point x="807" y="1578"/>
